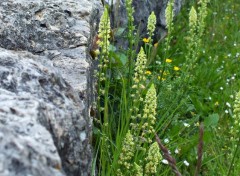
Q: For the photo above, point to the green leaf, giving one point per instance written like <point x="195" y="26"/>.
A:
<point x="112" y="48"/>
<point x="119" y="32"/>
<point x="211" y="120"/>
<point x="123" y="58"/>
<point x="96" y="131"/>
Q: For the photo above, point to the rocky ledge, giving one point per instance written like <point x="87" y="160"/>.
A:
<point x="45" y="127"/>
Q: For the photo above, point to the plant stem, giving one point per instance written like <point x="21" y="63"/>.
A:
<point x="168" y="157"/>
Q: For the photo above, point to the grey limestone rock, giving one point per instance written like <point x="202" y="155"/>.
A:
<point x="45" y="126"/>
<point x="143" y="9"/>
<point x="45" y="115"/>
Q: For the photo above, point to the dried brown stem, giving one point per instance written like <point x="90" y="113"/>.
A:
<point x="168" y="157"/>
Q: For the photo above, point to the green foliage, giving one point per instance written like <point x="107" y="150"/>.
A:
<point x="169" y="88"/>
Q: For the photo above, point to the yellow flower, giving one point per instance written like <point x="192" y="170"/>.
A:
<point x="146" y="40"/>
<point x="148" y="72"/>
<point x="163" y="79"/>
<point x="176" y="68"/>
<point x="197" y="124"/>
<point x="216" y="103"/>
<point x="155" y="45"/>
<point x="164" y="73"/>
<point x="168" y="60"/>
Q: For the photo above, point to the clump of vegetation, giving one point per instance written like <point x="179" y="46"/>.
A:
<point x="168" y="108"/>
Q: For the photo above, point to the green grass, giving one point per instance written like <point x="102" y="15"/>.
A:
<point x="185" y="98"/>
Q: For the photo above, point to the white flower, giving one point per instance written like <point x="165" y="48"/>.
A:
<point x="226" y="111"/>
<point x="186" y="124"/>
<point x="234" y="44"/>
<point x="231" y="96"/>
<point x="186" y="163"/>
<point x="225" y="37"/>
<point x="166" y="140"/>
<point x="210" y="98"/>
<point x="232" y="77"/>
<point x="221" y="88"/>
<point x="176" y="151"/>
<point x="228" y="104"/>
<point x="164" y="161"/>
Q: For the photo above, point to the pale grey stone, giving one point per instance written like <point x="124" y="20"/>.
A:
<point x="45" y="87"/>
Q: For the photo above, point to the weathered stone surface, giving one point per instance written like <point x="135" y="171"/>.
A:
<point x="44" y="86"/>
<point x="35" y="100"/>
<point x="24" y="154"/>
<point x="38" y="25"/>
<point x="143" y="9"/>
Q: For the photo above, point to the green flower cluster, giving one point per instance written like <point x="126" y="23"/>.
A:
<point x="169" y="16"/>
<point x="192" y="43"/>
<point x="153" y="159"/>
<point x="202" y="16"/>
<point x="104" y="35"/>
<point x="127" y="152"/>
<point x="140" y="68"/>
<point x="138" y="170"/>
<point x="138" y="81"/>
<point x="196" y="29"/>
<point x="236" y="117"/>
<point x="151" y="25"/>
<point x="130" y="11"/>
<point x="149" y="113"/>
<point x="193" y="19"/>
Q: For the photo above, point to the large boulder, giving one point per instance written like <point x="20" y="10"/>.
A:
<point x="45" y="126"/>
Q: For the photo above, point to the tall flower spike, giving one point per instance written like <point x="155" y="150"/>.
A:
<point x="140" y="67"/>
<point x="151" y="25"/>
<point x="153" y="159"/>
<point x="193" y="19"/>
<point x="202" y="16"/>
<point x="236" y="117"/>
<point x="169" y="16"/>
<point x="149" y="113"/>
<point x="130" y="12"/>
<point x="193" y="41"/>
<point x="104" y="32"/>
<point x="138" y="81"/>
<point x="127" y="152"/>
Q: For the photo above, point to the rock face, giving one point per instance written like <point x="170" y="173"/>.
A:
<point x="45" y="126"/>
<point x="143" y="9"/>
